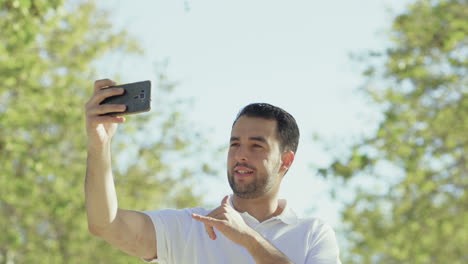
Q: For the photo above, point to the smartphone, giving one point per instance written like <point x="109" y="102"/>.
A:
<point x="137" y="98"/>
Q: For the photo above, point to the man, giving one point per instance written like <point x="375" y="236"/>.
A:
<point x="250" y="226"/>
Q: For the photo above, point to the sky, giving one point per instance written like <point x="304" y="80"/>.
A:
<point x="294" y="54"/>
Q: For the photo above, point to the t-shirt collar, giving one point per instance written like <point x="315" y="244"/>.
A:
<point x="287" y="216"/>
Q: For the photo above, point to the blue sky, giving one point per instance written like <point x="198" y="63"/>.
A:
<point x="293" y="54"/>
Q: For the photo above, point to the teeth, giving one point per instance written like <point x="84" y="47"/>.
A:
<point x="243" y="171"/>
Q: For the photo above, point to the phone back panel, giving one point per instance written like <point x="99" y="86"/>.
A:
<point x="137" y="98"/>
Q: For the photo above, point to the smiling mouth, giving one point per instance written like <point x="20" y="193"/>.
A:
<point x="242" y="171"/>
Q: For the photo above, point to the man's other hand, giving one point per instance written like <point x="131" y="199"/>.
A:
<point x="228" y="221"/>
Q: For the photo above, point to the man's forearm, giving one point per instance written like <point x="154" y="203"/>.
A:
<point x="101" y="198"/>
<point x="264" y="252"/>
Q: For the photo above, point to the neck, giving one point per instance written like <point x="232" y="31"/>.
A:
<point x="262" y="208"/>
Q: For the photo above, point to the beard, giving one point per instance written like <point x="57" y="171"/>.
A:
<point x="259" y="186"/>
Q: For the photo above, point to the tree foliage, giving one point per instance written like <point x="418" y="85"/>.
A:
<point x="421" y="83"/>
<point x="46" y="54"/>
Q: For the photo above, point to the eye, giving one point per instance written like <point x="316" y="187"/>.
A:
<point x="234" y="144"/>
<point x="257" y="146"/>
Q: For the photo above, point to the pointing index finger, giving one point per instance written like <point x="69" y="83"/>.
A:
<point x="205" y="219"/>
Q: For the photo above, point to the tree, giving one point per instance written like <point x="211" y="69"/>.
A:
<point x="46" y="54"/>
<point x="421" y="85"/>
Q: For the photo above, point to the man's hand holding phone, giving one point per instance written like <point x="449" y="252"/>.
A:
<point x="109" y="103"/>
<point x="100" y="127"/>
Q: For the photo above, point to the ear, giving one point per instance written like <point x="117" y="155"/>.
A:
<point x="287" y="159"/>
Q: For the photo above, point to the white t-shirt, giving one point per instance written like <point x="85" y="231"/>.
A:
<point x="182" y="239"/>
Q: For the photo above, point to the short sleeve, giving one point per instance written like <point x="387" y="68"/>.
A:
<point x="323" y="247"/>
<point x="170" y="226"/>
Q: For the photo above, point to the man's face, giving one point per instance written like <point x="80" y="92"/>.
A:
<point x="254" y="158"/>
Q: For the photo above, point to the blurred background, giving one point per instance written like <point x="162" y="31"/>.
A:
<point x="378" y="88"/>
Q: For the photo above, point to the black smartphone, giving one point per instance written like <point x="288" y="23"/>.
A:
<point x="137" y="98"/>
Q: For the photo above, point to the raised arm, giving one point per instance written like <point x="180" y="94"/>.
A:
<point x="130" y="231"/>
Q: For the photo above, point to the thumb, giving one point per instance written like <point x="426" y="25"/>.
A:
<point x="226" y="200"/>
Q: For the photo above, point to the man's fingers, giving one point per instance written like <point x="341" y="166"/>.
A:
<point x="210" y="230"/>
<point x="102" y="94"/>
<point x="209" y="223"/>
<point x="206" y="219"/>
<point x="106" y="108"/>
<point x="109" y="119"/>
<point x="98" y="84"/>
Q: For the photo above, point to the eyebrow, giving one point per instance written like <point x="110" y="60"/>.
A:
<point x="260" y="139"/>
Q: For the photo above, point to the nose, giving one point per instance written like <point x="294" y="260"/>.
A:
<point x="241" y="153"/>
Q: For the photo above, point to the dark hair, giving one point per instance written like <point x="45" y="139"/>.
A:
<point x="288" y="131"/>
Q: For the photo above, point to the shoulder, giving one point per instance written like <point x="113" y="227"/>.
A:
<point x="314" y="223"/>
<point x="173" y="214"/>
<point x="175" y="223"/>
<point x="321" y="240"/>
<point x="317" y="229"/>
